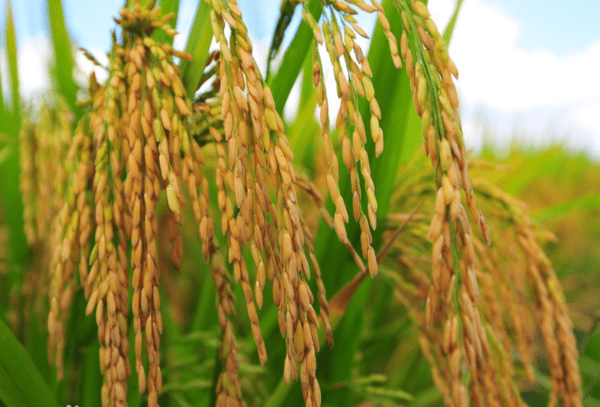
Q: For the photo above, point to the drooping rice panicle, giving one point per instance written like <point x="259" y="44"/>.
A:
<point x="454" y="287"/>
<point x="156" y="138"/>
<point x="509" y="305"/>
<point x="229" y="392"/>
<point x="142" y="141"/>
<point x="551" y="311"/>
<point x="337" y="32"/>
<point x="255" y="171"/>
<point x="109" y="260"/>
<point x="73" y="226"/>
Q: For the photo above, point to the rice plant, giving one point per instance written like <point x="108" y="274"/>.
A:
<point x="175" y="241"/>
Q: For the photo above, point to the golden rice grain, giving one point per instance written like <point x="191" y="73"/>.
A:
<point x="142" y="122"/>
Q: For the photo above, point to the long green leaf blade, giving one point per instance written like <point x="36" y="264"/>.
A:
<point x="400" y="124"/>
<point x="10" y="199"/>
<point x="198" y="44"/>
<point x="285" y="17"/>
<point x="451" y="24"/>
<point x="3" y="111"/>
<point x="21" y="385"/>
<point x="282" y="83"/>
<point x="581" y="203"/>
<point x="168" y="6"/>
<point x="64" y="62"/>
<point x="591" y="350"/>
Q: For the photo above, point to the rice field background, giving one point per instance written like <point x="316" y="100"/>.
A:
<point x="168" y="237"/>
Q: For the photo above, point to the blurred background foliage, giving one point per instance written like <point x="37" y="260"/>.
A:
<point x="376" y="359"/>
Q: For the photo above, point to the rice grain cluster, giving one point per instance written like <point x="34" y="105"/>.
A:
<point x="146" y="148"/>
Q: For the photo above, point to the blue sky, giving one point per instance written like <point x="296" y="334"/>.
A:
<point x="527" y="66"/>
<point x="560" y="26"/>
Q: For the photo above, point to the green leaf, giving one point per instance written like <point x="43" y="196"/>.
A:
<point x="590" y="353"/>
<point x="167" y="6"/>
<point x="285" y="18"/>
<point x="282" y="83"/>
<point x="429" y="397"/>
<point x="21" y="385"/>
<point x="450" y="27"/>
<point x="308" y="90"/>
<point x="198" y="44"/>
<point x="388" y="393"/>
<point x="3" y="112"/>
<point x="399" y="121"/>
<point x="591" y="402"/>
<point x="278" y="396"/>
<point x="64" y="62"/>
<point x="91" y="377"/>
<point x="10" y="199"/>
<point x="305" y="127"/>
<point x="589" y="202"/>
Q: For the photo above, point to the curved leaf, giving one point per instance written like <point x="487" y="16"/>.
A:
<point x="449" y="30"/>
<point x="282" y="83"/>
<point x="285" y="18"/>
<point x="21" y="385"/>
<point x="198" y="44"/>
<point x="10" y="199"/>
<point x="64" y="62"/>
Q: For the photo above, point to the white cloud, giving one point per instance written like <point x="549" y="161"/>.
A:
<point x="587" y="116"/>
<point x="187" y="12"/>
<point x="33" y="59"/>
<point x="536" y="90"/>
<point x="85" y="66"/>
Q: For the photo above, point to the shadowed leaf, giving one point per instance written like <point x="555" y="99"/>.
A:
<point x="21" y="385"/>
<point x="285" y="18"/>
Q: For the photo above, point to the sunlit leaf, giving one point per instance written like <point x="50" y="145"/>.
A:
<point x="198" y="44"/>
<point x="168" y="6"/>
<point x="64" y="62"/>
<point x="281" y="83"/>
<point x="285" y="18"/>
